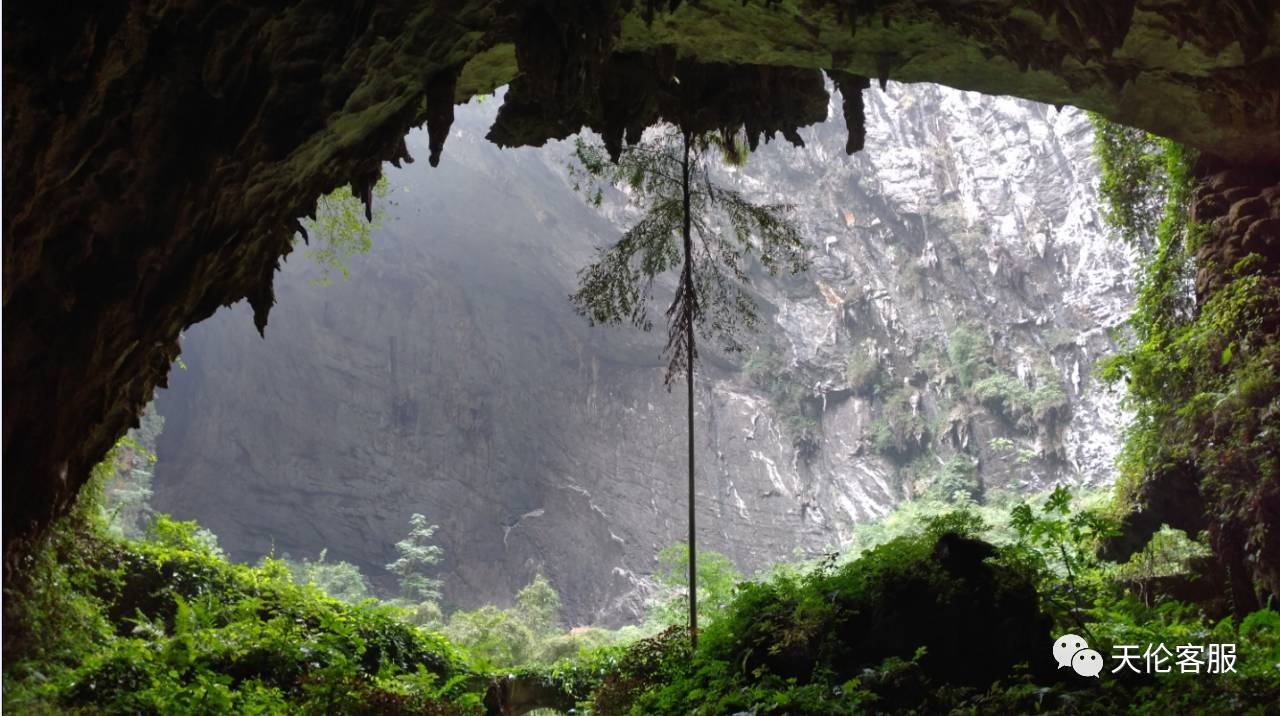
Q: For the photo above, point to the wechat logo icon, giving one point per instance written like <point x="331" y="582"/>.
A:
<point x="1073" y="651"/>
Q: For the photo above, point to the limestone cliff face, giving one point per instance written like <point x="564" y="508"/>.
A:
<point x="451" y="377"/>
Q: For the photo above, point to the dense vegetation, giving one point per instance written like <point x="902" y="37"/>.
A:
<point x="1203" y="376"/>
<point x="935" y="622"/>
<point x="167" y="625"/>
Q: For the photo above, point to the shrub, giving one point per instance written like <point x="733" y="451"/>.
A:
<point x="717" y="579"/>
<point x="907" y="610"/>
<point x="900" y="431"/>
<point x="1004" y="395"/>
<point x="970" y="354"/>
<point x="341" y="580"/>
<point x="789" y="394"/>
<point x="496" y="637"/>
<point x="957" y="482"/>
<point x="171" y="627"/>
<point x="863" y="372"/>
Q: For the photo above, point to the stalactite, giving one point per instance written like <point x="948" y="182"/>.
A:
<point x="440" y="92"/>
<point x="850" y="87"/>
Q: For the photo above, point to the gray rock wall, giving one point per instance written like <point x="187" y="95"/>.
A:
<point x="451" y="377"/>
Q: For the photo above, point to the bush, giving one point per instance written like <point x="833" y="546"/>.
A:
<point x="341" y="580"/>
<point x="498" y="638"/>
<point x="957" y="482"/>
<point x="717" y="579"/>
<point x="863" y="372"/>
<point x="897" y="630"/>
<point x="168" y="626"/>
<point x="970" y="354"/>
<point x="899" y="432"/>
<point x="909" y="610"/>
<point x="1004" y="395"/>
<point x="790" y="395"/>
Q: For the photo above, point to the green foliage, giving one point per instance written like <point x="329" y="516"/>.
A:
<point x="619" y="285"/>
<point x="788" y="392"/>
<point x="1007" y="396"/>
<point x="1002" y="394"/>
<point x="1168" y="553"/>
<point x="901" y="430"/>
<point x="791" y="644"/>
<point x="531" y="633"/>
<point x="427" y="615"/>
<point x="717" y="578"/>
<point x="126" y="491"/>
<point x="863" y="372"/>
<point x="1147" y="188"/>
<point x="1136" y="178"/>
<point x="957" y="482"/>
<point x="496" y="638"/>
<point x="800" y="644"/>
<point x="1001" y="445"/>
<point x="1060" y="546"/>
<point x="341" y="229"/>
<point x="539" y="605"/>
<point x="418" y="556"/>
<point x="1046" y="398"/>
<point x="185" y="536"/>
<point x="168" y="626"/>
<point x="1202" y="379"/>
<point x="341" y="580"/>
<point x="584" y="643"/>
<point x="930" y="359"/>
<point x="970" y="354"/>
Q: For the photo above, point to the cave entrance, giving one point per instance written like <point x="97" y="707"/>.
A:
<point x="940" y="344"/>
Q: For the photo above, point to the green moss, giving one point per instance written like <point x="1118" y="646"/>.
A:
<point x="486" y="72"/>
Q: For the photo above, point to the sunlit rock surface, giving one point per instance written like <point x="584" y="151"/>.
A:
<point x="451" y="377"/>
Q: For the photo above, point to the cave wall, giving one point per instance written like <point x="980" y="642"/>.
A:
<point x="158" y="154"/>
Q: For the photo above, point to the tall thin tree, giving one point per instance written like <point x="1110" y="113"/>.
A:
<point x="690" y="220"/>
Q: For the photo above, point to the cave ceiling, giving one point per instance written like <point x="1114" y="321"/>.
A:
<point x="157" y="155"/>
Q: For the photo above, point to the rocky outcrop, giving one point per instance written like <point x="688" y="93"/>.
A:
<point x="450" y="375"/>
<point x="157" y="156"/>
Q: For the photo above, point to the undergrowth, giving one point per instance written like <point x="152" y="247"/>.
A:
<point x="940" y="622"/>
<point x="166" y="625"/>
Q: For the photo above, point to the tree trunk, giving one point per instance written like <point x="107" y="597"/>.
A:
<point x="689" y="306"/>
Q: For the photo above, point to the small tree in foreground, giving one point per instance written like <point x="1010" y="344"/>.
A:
<point x="418" y="555"/>
<point x="689" y="222"/>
